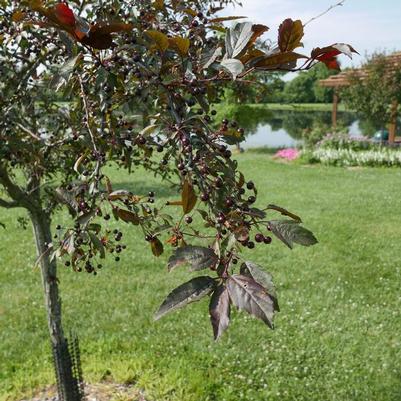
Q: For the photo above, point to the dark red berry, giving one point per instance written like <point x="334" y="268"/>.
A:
<point x="250" y="185"/>
<point x="229" y="202"/>
<point x="204" y="197"/>
<point x="267" y="240"/>
<point x="251" y="245"/>
<point x="259" y="237"/>
<point x="188" y="219"/>
<point x="251" y="199"/>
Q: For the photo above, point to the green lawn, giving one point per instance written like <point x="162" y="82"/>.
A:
<point x="337" y="337"/>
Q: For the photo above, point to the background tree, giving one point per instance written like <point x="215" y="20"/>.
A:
<point x="305" y="87"/>
<point x="111" y="59"/>
<point x="372" y="93"/>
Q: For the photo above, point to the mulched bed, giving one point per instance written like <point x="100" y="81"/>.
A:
<point x="95" y="392"/>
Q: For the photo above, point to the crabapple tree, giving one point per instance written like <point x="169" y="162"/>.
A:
<point x="74" y="78"/>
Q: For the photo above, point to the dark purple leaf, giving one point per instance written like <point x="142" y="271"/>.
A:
<point x="219" y="310"/>
<point x="186" y="293"/>
<point x="290" y="231"/>
<point x="197" y="256"/>
<point x="246" y="294"/>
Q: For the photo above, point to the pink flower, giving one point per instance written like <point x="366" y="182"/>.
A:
<point x="288" y="154"/>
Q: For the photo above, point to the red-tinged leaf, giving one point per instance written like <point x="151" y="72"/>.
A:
<point x="98" y="41"/>
<point x="188" y="197"/>
<point x="99" y="36"/>
<point x="290" y="34"/>
<point x="332" y="64"/>
<point x="219" y="310"/>
<point x="329" y="55"/>
<point x="64" y="14"/>
<point x="157" y="246"/>
<point x="258" y="30"/>
<point x="114" y="27"/>
<point x="284" y="212"/>
<point x="127" y="216"/>
<point x="82" y="28"/>
<point x="241" y="233"/>
<point x="285" y="60"/>
<point x="252" y="54"/>
<point x="329" y="52"/>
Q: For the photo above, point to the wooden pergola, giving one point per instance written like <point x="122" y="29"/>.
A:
<point x="344" y="79"/>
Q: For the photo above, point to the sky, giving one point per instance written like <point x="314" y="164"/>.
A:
<point x="367" y="25"/>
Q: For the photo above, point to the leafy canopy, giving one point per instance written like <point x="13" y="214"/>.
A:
<point x="136" y="80"/>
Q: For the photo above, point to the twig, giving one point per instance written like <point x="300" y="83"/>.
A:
<point x="26" y="130"/>
<point x="340" y="3"/>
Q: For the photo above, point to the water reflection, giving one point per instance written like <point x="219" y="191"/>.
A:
<point x="279" y="128"/>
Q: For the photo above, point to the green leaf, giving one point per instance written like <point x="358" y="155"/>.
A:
<point x="150" y="129"/>
<point x="290" y="231"/>
<point x="191" y="291"/>
<point x="97" y="244"/>
<point x="197" y="256"/>
<point x="219" y="310"/>
<point x="263" y="278"/>
<point x="234" y="66"/>
<point x="246" y="294"/>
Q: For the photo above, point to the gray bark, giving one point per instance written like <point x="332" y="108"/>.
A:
<point x="65" y="378"/>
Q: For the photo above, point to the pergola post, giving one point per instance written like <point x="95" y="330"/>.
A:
<point x="392" y="128"/>
<point x="335" y="109"/>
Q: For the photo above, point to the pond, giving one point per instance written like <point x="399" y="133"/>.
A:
<point x="283" y="129"/>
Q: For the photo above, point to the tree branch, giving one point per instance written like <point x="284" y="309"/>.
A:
<point x="340" y="3"/>
<point x="17" y="194"/>
<point x="8" y="204"/>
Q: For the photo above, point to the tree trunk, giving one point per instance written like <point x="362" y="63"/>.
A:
<point x="68" y="388"/>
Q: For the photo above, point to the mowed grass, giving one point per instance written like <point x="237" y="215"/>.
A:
<point x="337" y="337"/>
